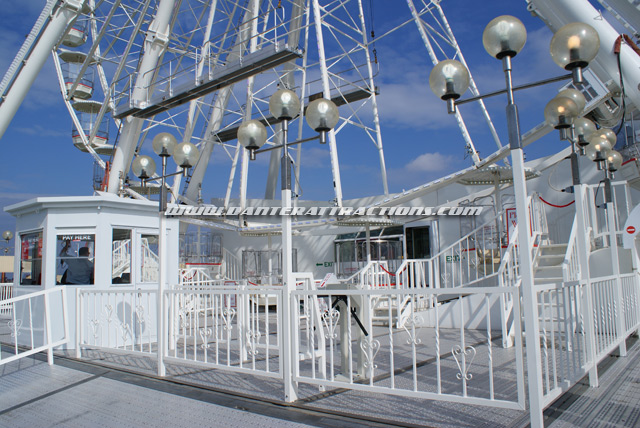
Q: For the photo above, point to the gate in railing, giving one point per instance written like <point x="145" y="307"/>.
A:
<point x="448" y="353"/>
<point x="580" y="323"/>
<point x="235" y="329"/>
<point x="36" y="322"/>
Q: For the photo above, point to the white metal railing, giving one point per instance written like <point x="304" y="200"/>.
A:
<point x="596" y="217"/>
<point x="563" y="346"/>
<point x="194" y="277"/>
<point x="571" y="262"/>
<point x="119" y="320"/>
<point x="509" y="276"/>
<point x="631" y="302"/>
<point x="6" y="292"/>
<point x="473" y="258"/>
<point x="226" y="328"/>
<point x="538" y="227"/>
<point x="232" y="266"/>
<point x="412" y="274"/>
<point x="38" y="323"/>
<point x="570" y="347"/>
<point x="447" y="353"/>
<point x="311" y="342"/>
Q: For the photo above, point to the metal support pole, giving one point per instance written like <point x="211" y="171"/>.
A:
<point x="585" y="275"/>
<point x="288" y="285"/>
<point x="615" y="265"/>
<point x="162" y="255"/>
<point x="529" y="296"/>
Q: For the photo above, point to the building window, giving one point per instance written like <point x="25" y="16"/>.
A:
<point x="149" y="258"/>
<point x="121" y="256"/>
<point x="31" y="258"/>
<point x="75" y="257"/>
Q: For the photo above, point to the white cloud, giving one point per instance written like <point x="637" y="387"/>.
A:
<point x="431" y="162"/>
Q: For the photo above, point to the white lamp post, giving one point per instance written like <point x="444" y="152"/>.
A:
<point x="572" y="48"/>
<point x="322" y="115"/>
<point x="185" y="155"/>
<point x="7" y="235"/>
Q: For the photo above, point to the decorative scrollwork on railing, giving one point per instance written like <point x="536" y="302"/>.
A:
<point x="412" y="326"/>
<point x="205" y="334"/>
<point x="108" y="310"/>
<point x="253" y="338"/>
<point x="227" y="317"/>
<point x="125" y="330"/>
<point x="15" y="327"/>
<point x="469" y="354"/>
<point x="140" y="313"/>
<point x="370" y="348"/>
<point x="183" y="319"/>
<point x="330" y="320"/>
<point x="94" y="323"/>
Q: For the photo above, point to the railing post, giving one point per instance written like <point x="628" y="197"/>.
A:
<point x="585" y="277"/>
<point x="47" y="320"/>
<point x="78" y="352"/>
<point x="619" y="304"/>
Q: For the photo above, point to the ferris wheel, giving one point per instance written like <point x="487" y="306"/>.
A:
<point x="129" y="69"/>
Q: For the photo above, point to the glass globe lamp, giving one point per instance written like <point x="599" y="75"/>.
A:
<point x="574" y="46"/>
<point x="614" y="160"/>
<point x="608" y="134"/>
<point x="143" y="167"/>
<point x="576" y="96"/>
<point x="252" y="135"/>
<point x="164" y="144"/>
<point x="504" y="36"/>
<point x="7" y="235"/>
<point x="449" y="79"/>
<point x="185" y="155"/>
<point x="584" y="129"/>
<point x="322" y="115"/>
<point x="560" y="112"/>
<point x="284" y="104"/>
<point x="598" y="149"/>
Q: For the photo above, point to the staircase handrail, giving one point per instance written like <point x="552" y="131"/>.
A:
<point x="351" y="279"/>
<point x="231" y="265"/>
<point x="468" y="235"/>
<point x="570" y="264"/>
<point x="309" y="284"/>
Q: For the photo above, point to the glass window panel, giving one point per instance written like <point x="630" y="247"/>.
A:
<point x="121" y="256"/>
<point x="75" y="257"/>
<point x="149" y="260"/>
<point x="31" y="258"/>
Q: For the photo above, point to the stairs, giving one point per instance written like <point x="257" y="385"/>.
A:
<point x="548" y="264"/>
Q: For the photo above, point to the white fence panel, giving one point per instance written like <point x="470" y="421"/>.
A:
<point x="31" y="328"/>
<point x="464" y="364"/>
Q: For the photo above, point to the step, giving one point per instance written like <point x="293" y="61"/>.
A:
<point x="547" y="272"/>
<point x="553" y="249"/>
<point x="550" y="259"/>
<point x="547" y="280"/>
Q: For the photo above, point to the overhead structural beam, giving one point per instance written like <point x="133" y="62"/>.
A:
<point x="249" y="65"/>
<point x="157" y="38"/>
<point x="24" y="76"/>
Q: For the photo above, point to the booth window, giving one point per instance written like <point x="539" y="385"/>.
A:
<point x="75" y="259"/>
<point x="149" y="258"/>
<point x="31" y="258"/>
<point x="121" y="256"/>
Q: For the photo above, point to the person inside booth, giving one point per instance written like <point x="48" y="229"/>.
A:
<point x="79" y="269"/>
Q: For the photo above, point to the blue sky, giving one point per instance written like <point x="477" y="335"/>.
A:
<point x="421" y="141"/>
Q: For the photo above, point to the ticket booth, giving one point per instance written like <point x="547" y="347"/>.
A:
<point x="102" y="242"/>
